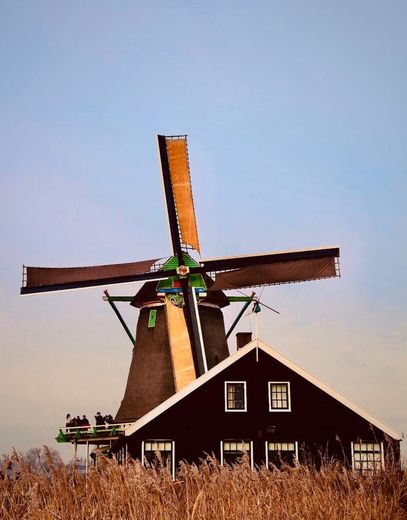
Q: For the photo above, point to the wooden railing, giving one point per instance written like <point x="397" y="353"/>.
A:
<point x="70" y="433"/>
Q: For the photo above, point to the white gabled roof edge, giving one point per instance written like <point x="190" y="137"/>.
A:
<point x="330" y="391"/>
<point x="189" y="388"/>
<point x="257" y="343"/>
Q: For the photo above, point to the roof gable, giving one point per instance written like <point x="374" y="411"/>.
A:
<point x="258" y="344"/>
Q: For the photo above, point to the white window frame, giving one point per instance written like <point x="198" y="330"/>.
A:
<point x="367" y="471"/>
<point x="234" y="440"/>
<point x="288" y="442"/>
<point x="172" y="452"/>
<point x="288" y="409"/>
<point x="226" y="397"/>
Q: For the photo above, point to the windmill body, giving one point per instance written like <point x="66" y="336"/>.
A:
<point x="180" y="332"/>
<point x="155" y="371"/>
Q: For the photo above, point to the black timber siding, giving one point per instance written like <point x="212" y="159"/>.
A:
<point x="318" y="422"/>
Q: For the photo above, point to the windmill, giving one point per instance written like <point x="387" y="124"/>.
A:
<point x="180" y="331"/>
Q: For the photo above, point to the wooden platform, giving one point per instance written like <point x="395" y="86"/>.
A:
<point x="93" y="434"/>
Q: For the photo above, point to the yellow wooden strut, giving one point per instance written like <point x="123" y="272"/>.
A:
<point x="180" y="346"/>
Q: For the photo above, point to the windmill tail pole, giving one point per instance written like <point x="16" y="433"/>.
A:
<point x="119" y="316"/>
<point x="248" y="302"/>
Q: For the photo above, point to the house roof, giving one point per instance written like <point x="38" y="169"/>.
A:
<point x="258" y="344"/>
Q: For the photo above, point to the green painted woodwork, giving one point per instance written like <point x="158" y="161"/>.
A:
<point x="172" y="262"/>
<point x="120" y="317"/>
<point x="176" y="299"/>
<point x="152" y="316"/>
<point x="197" y="281"/>
<point x="61" y="437"/>
<point x="189" y="261"/>
<point x="119" y="298"/>
<point x="247" y="303"/>
<point x="85" y="434"/>
<point x="234" y="299"/>
<point x="166" y="284"/>
<point x="194" y="280"/>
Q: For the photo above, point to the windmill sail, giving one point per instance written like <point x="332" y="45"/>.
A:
<point x="275" y="274"/>
<point x="177" y="157"/>
<point x="43" y="279"/>
<point x="273" y="268"/>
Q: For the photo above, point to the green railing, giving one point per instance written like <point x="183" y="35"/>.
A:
<point x="72" y="433"/>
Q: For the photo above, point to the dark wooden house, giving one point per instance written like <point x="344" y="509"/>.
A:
<point x="257" y="401"/>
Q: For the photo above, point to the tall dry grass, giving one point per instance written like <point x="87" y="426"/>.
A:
<point x="207" y="491"/>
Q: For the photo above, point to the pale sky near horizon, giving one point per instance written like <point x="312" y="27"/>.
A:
<point x="297" y="121"/>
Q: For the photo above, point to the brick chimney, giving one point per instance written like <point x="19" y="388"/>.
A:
<point x="242" y="339"/>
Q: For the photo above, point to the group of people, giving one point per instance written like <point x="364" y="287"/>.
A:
<point x="100" y="420"/>
<point x="103" y="419"/>
<point x="76" y="421"/>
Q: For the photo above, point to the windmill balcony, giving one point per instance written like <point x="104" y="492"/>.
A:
<point x="92" y="433"/>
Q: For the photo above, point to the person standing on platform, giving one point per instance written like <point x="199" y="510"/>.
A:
<point x="100" y="421"/>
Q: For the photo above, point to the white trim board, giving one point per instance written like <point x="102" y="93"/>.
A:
<point x="266" y="444"/>
<point x="273" y="410"/>
<point x="257" y="343"/>
<point x="225" y="390"/>
<point x="222" y="450"/>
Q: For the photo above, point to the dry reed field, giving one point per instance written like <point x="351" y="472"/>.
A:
<point x="207" y="491"/>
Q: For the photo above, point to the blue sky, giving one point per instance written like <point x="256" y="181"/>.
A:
<point x="297" y="121"/>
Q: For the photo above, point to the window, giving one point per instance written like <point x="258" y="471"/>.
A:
<point x="279" y="397"/>
<point x="232" y="451"/>
<point x="279" y="453"/>
<point x="367" y="457"/>
<point x="159" y="452"/>
<point x="235" y="396"/>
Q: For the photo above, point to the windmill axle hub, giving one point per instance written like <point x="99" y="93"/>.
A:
<point x="183" y="270"/>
